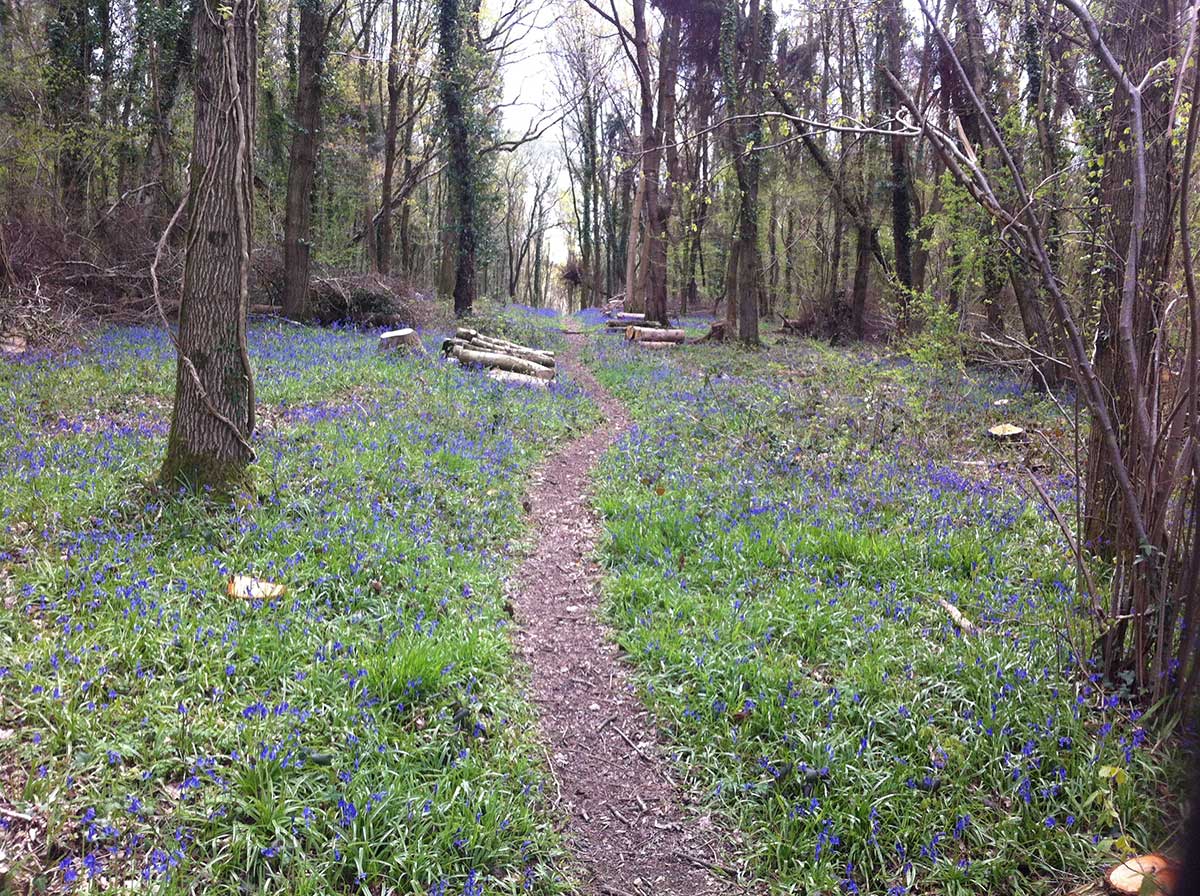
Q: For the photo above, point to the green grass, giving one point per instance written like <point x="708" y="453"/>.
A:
<point x="780" y="526"/>
<point x="363" y="733"/>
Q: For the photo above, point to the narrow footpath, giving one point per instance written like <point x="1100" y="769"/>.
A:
<point x="628" y="827"/>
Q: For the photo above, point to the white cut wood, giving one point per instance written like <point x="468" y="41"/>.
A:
<point x="517" y="379"/>
<point x="406" y="337"/>
<point x="1006" y="432"/>
<point x="651" y="334"/>
<point x="503" y="362"/>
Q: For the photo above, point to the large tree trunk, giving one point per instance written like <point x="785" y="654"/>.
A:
<point x="297" y="246"/>
<point x="383" y="228"/>
<point x="213" y="417"/>
<point x="460" y="164"/>
<point x="664" y="140"/>
<point x="634" y="299"/>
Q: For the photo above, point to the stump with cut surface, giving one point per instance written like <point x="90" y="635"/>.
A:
<point x="1006" y="432"/>
<point x="404" y="338"/>
<point x="716" y="332"/>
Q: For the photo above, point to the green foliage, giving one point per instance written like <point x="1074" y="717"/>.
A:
<point x="363" y="732"/>
<point x="779" y="531"/>
<point x="938" y="342"/>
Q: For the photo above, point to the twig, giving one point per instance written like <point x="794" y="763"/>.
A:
<point x="634" y="746"/>
<point x="701" y="862"/>
<point x="13" y="813"/>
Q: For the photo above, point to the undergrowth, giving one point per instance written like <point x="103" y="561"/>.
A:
<point x="780" y="529"/>
<point x="363" y="733"/>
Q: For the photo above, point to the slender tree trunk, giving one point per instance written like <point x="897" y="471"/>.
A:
<point x="862" y="279"/>
<point x="1141" y="35"/>
<point x="170" y="56"/>
<point x="634" y="299"/>
<point x="297" y="236"/>
<point x="213" y="417"/>
<point x="902" y="188"/>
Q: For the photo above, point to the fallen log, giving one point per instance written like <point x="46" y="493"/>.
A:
<point x="503" y="362"/>
<point x="649" y="334"/>
<point x="629" y="316"/>
<point x="518" y="379"/>
<point x="404" y="338"/>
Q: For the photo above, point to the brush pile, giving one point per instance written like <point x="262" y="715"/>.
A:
<point x="506" y="361"/>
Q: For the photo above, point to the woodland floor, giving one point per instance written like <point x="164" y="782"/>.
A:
<point x="731" y="667"/>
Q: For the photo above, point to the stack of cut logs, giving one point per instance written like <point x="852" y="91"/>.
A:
<point x="507" y="362"/>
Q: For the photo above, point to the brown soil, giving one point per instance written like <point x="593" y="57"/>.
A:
<point x="627" y="823"/>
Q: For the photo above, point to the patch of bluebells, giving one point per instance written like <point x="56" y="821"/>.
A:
<point x="388" y="489"/>
<point x="774" y="569"/>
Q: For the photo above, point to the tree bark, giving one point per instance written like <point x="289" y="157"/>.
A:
<point x="213" y="418"/>
<point x="297" y="245"/>
<point x="461" y="162"/>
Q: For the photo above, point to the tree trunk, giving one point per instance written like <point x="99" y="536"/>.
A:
<point x="901" y="178"/>
<point x="383" y="228"/>
<point x="297" y="246"/>
<point x="1141" y="35"/>
<point x="460" y="162"/>
<point x="213" y="417"/>
<point x="634" y="301"/>
<point x="70" y="52"/>
<point x="862" y="278"/>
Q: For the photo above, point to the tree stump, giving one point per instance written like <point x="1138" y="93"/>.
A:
<point x="405" y="338"/>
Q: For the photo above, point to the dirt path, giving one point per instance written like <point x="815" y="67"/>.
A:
<point x="627" y="825"/>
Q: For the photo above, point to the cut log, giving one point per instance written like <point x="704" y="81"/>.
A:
<point x="517" y="379"/>
<point x="405" y="338"/>
<point x="503" y="362"/>
<point x="1006" y="432"/>
<point x="649" y="334"/>
<point x="629" y="317"/>
<point x="475" y="336"/>
<point x="1155" y="873"/>
<point x="517" y="351"/>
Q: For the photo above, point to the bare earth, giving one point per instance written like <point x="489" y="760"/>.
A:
<point x="627" y="823"/>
